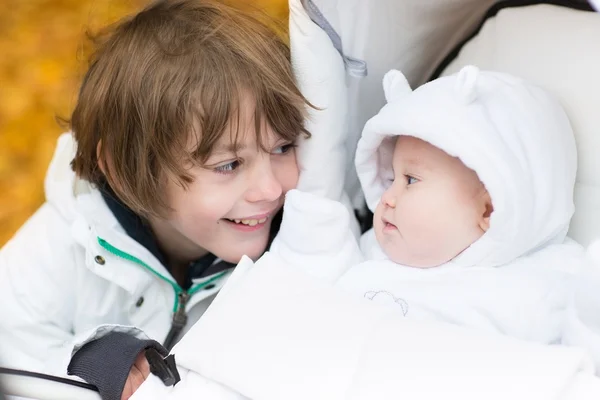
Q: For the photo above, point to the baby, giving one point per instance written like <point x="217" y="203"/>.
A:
<point x="470" y="178"/>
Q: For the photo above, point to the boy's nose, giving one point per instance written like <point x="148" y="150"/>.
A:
<point x="264" y="186"/>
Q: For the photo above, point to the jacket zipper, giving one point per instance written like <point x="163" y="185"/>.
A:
<point x="182" y="297"/>
<point x="180" y="318"/>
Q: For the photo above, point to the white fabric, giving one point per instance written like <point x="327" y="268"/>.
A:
<point x="583" y="321"/>
<point x="279" y="333"/>
<point x="514" y="135"/>
<point x="34" y="388"/>
<point x="556" y="48"/>
<point x="319" y="71"/>
<point x="54" y="295"/>
<point x="313" y="231"/>
<point x="192" y="386"/>
<point x="410" y="35"/>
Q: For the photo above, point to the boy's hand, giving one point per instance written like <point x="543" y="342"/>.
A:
<point x="138" y="374"/>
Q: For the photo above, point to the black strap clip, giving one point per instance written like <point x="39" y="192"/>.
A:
<point x="164" y="368"/>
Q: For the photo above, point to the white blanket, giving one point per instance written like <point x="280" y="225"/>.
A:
<point x="275" y="333"/>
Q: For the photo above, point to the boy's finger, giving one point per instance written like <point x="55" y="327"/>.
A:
<point x="134" y="381"/>
<point x="143" y="365"/>
<point x="128" y="390"/>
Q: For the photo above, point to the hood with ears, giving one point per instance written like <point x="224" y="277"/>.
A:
<point x="513" y="134"/>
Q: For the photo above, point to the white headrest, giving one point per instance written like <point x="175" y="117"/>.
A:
<point x="557" y="48"/>
<point x="319" y="71"/>
<point x="409" y="35"/>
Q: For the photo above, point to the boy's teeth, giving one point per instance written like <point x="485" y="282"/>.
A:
<point x="251" y="222"/>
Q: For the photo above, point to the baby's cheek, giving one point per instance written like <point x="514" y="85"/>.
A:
<point x="424" y="230"/>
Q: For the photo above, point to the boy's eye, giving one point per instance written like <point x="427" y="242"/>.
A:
<point x="227" y="168"/>
<point x="283" y="149"/>
<point x="410" y="179"/>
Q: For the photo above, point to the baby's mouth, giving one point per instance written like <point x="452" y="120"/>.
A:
<point x="387" y="225"/>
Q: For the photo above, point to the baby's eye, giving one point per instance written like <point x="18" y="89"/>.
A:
<point x="283" y="149"/>
<point x="410" y="179"/>
<point x="227" y="168"/>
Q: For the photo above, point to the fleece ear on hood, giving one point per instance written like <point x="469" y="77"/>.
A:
<point x="515" y="135"/>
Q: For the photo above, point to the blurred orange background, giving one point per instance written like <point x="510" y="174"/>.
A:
<point x="42" y="58"/>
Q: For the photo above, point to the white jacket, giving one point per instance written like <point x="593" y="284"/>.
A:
<point x="71" y="268"/>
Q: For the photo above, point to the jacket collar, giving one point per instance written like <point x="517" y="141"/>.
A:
<point x="139" y="230"/>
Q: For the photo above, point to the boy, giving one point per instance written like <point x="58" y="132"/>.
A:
<point x="181" y="151"/>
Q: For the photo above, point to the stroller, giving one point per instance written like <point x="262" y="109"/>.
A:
<point x="552" y="43"/>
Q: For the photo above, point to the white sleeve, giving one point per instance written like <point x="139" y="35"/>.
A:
<point x="316" y="236"/>
<point x="37" y="295"/>
<point x="582" y="328"/>
<point x="38" y="275"/>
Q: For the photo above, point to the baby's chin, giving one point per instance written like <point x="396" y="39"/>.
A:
<point x="414" y="261"/>
<point x="398" y="251"/>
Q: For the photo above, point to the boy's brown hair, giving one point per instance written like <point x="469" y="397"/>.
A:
<point x="176" y="65"/>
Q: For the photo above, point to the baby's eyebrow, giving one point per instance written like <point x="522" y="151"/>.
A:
<point x="413" y="162"/>
<point x="416" y="164"/>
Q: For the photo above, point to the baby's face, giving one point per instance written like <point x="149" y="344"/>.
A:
<point x="435" y="208"/>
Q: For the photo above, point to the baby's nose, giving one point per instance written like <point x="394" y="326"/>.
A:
<point x="389" y="199"/>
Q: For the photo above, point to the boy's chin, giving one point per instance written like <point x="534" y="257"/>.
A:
<point x="252" y="250"/>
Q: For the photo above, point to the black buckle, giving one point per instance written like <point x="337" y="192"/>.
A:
<point x="164" y="368"/>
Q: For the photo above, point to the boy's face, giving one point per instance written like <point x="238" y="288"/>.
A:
<point x="435" y="208"/>
<point x="227" y="210"/>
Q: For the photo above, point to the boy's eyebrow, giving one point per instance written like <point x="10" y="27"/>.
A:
<point x="230" y="148"/>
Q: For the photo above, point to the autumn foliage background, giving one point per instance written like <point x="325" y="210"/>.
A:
<point x="43" y="53"/>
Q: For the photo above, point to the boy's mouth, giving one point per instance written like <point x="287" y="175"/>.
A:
<point x="250" y="223"/>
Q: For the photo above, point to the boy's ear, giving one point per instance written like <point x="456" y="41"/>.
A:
<point x="486" y="211"/>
